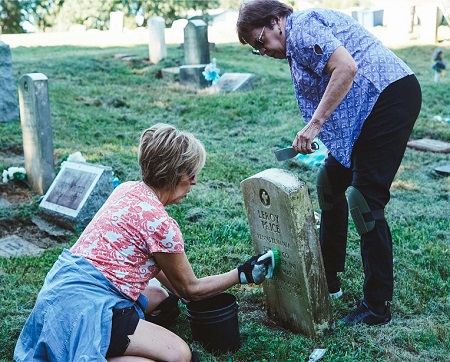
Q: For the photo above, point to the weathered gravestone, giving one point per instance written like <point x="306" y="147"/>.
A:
<point x="36" y="131"/>
<point x="9" y="110"/>
<point x="157" y="44"/>
<point x="196" y="54"/>
<point x="281" y="217"/>
<point x="427" y="144"/>
<point x="77" y="193"/>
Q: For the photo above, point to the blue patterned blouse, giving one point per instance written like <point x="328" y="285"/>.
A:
<point x="377" y="68"/>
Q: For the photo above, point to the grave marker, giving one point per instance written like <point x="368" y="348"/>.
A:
<point x="157" y="44"/>
<point x="196" y="54"/>
<point x="232" y="82"/>
<point x="196" y="45"/>
<point x="281" y="217"/>
<point x="14" y="245"/>
<point x="36" y="131"/>
<point x="427" y="144"/>
<point x="116" y="22"/>
<point x="9" y="110"/>
<point x="78" y="192"/>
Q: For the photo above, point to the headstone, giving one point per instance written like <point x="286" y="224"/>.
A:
<point x="196" y="45"/>
<point x="426" y="144"/>
<point x="77" y="193"/>
<point x="116" y="22"/>
<point x="430" y="19"/>
<point x="14" y="245"/>
<point x="9" y="110"/>
<point x="36" y="131"/>
<point x="157" y="44"/>
<point x="231" y="82"/>
<point x="281" y="217"/>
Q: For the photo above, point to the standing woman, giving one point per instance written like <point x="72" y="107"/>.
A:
<point x="362" y="101"/>
<point x="96" y="303"/>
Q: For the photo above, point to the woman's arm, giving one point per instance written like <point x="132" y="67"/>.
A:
<point x="342" y="68"/>
<point x="178" y="271"/>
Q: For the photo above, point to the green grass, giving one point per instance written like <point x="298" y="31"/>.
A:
<point x="99" y="106"/>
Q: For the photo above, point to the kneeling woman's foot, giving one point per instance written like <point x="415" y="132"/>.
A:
<point x="166" y="312"/>
<point x="365" y="314"/>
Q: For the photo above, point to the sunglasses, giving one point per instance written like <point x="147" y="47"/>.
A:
<point x="258" y="42"/>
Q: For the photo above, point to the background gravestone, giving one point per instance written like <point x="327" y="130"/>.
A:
<point x="196" y="45"/>
<point x="9" y="110"/>
<point x="196" y="54"/>
<point x="78" y="192"/>
<point x="157" y="43"/>
<point x="116" y="22"/>
<point x="36" y="131"/>
<point x="281" y="217"/>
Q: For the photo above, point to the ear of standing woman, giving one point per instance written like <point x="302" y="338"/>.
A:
<point x="96" y="303"/>
<point x="362" y="101"/>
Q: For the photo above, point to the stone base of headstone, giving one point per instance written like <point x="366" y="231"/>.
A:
<point x="281" y="217"/>
<point x="77" y="193"/>
<point x="9" y="108"/>
<point x="172" y="73"/>
<point x="191" y="75"/>
<point x="49" y="228"/>
<point x="232" y="82"/>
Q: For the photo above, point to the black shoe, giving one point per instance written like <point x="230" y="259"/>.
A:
<point x="334" y="286"/>
<point x="364" y="314"/>
<point x="169" y="311"/>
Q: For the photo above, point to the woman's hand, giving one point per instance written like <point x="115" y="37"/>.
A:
<point x="342" y="69"/>
<point x="304" y="138"/>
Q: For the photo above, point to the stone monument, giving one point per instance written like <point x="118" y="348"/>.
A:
<point x="9" y="110"/>
<point x="77" y="193"/>
<point x="36" y="131"/>
<point x="196" y="54"/>
<point x="157" y="43"/>
<point x="281" y="217"/>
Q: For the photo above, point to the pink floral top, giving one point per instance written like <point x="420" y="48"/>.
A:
<point x="122" y="237"/>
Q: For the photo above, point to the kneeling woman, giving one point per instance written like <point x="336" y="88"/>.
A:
<point x="94" y="300"/>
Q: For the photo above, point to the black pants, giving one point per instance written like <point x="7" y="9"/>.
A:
<point x="376" y="158"/>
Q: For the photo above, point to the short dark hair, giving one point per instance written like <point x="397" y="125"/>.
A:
<point x="166" y="154"/>
<point x="258" y="13"/>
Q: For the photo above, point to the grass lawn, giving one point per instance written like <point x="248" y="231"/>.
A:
<point x="99" y="106"/>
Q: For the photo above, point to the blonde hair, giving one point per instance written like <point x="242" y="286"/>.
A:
<point x="166" y="154"/>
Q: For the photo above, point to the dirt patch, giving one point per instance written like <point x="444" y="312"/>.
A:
<point x="13" y="194"/>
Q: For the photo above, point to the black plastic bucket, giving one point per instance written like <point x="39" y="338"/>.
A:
<point x="214" y="323"/>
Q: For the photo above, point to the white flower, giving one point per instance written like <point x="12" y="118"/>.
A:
<point x="13" y="172"/>
<point x="76" y="157"/>
<point x="5" y="176"/>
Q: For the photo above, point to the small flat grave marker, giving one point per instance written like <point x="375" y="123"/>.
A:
<point x="426" y="144"/>
<point x="14" y="245"/>
<point x="76" y="194"/>
<point x="232" y="82"/>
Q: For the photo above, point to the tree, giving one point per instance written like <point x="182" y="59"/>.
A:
<point x="11" y="16"/>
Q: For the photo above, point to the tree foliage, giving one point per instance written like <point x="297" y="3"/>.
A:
<point x="61" y="14"/>
<point x="11" y="16"/>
